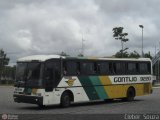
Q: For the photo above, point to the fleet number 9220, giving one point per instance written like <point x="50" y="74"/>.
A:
<point x="145" y="78"/>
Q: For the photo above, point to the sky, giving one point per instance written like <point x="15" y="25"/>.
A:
<point x="30" y="27"/>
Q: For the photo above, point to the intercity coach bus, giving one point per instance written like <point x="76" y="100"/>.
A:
<point x="54" y="79"/>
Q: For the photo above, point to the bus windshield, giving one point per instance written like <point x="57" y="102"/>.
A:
<point x="28" y="74"/>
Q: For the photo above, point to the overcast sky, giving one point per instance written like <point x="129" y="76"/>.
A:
<point x="29" y="27"/>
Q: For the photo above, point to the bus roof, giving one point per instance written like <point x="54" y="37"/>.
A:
<point x="42" y="58"/>
<point x="38" y="58"/>
<point x="126" y="59"/>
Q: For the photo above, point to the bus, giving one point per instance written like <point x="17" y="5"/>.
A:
<point x="53" y="79"/>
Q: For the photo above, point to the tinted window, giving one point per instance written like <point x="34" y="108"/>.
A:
<point x="52" y="73"/>
<point x="144" y="68"/>
<point x="20" y="71"/>
<point x="118" y="68"/>
<point x="33" y="71"/>
<point x="88" y="68"/>
<point x="71" y="68"/>
<point x="103" y="67"/>
<point x="149" y="68"/>
<point x="132" y="68"/>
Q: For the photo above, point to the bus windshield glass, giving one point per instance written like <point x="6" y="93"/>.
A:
<point x="28" y="74"/>
<point x="20" y="73"/>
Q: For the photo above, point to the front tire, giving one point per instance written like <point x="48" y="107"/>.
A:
<point x="41" y="106"/>
<point x="65" y="100"/>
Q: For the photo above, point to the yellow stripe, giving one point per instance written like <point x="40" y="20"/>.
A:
<point x="105" y="80"/>
<point x="120" y="91"/>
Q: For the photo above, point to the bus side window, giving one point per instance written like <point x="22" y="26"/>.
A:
<point x="95" y="68"/>
<point x="78" y="68"/>
<point x="98" y="68"/>
<point x="131" y="68"/>
<point x="64" y="68"/>
<point x="115" y="68"/>
<point x="87" y="68"/>
<point x="104" y="68"/>
<point x="137" y="68"/>
<point x="119" y="68"/>
<point x="70" y="68"/>
<point x="144" y="68"/>
<point x="111" y="69"/>
<point x="149" y="68"/>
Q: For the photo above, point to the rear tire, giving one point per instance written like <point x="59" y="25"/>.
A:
<point x="65" y="100"/>
<point x="130" y="94"/>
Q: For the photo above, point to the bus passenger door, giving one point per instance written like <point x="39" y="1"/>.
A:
<point x="52" y="75"/>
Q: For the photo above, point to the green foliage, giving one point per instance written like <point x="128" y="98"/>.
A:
<point x="80" y="55"/>
<point x="148" y="55"/>
<point x="119" y="54"/>
<point x="119" y="35"/>
<point x="3" y="59"/>
<point x="133" y="54"/>
<point x="117" y="31"/>
<point x="9" y="71"/>
<point x="63" y="54"/>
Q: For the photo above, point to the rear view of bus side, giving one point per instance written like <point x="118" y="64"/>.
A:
<point x="53" y="79"/>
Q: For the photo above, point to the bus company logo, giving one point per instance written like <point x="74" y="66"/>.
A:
<point x="4" y="116"/>
<point x="70" y="82"/>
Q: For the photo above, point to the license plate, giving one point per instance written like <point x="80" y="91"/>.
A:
<point x="19" y="89"/>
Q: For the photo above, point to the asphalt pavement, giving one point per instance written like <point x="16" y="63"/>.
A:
<point x="149" y="104"/>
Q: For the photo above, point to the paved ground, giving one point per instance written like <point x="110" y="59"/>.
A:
<point x="142" y="105"/>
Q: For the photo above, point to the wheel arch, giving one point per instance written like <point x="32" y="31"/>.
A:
<point x="131" y="88"/>
<point x="70" y="93"/>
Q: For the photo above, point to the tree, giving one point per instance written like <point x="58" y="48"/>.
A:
<point x="148" y="55"/>
<point x="119" y="54"/>
<point x="134" y="54"/>
<point x="119" y="35"/>
<point x="63" y="54"/>
<point x="3" y="61"/>
<point x="80" y="55"/>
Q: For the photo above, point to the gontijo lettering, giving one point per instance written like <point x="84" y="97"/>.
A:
<point x="125" y="79"/>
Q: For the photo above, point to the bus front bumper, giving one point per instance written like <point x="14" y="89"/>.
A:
<point x="28" y="99"/>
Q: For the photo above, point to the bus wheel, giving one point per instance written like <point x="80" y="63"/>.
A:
<point x="130" y="94"/>
<point x="41" y="106"/>
<point x="65" y="100"/>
